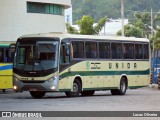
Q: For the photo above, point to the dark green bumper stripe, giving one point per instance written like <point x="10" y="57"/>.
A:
<point x="100" y="88"/>
<point x="135" y="87"/>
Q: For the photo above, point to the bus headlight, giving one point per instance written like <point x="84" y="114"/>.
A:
<point x="53" y="87"/>
<point x="52" y="79"/>
<point x="14" y="87"/>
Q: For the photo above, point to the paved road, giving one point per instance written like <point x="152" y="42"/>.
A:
<point x="143" y="99"/>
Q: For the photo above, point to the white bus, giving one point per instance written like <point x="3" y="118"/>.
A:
<point x="80" y="64"/>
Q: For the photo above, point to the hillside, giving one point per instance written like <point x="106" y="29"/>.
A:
<point x="111" y="8"/>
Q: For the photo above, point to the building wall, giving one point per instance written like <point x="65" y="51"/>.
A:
<point x="15" y="21"/>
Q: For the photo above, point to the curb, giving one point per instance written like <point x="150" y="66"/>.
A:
<point x="153" y="86"/>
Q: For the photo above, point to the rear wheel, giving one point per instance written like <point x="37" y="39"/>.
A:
<point x="37" y="94"/>
<point x="87" y="93"/>
<point x="76" y="89"/>
<point x="123" y="88"/>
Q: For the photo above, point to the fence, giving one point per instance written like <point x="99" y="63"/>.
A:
<point x="155" y="65"/>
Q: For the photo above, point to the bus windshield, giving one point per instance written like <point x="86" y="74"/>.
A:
<point x="36" y="56"/>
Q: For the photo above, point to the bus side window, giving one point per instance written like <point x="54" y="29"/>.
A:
<point x="6" y="55"/>
<point x="91" y="50"/>
<point x="146" y="51"/>
<point x="65" y="53"/>
<point x="1" y="55"/>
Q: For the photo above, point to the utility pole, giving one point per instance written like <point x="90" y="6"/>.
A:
<point x="122" y="16"/>
<point x="152" y="28"/>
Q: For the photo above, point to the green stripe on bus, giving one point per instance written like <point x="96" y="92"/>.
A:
<point x="103" y="73"/>
<point x="64" y="90"/>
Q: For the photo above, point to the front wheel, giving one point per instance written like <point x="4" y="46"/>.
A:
<point x="123" y="88"/>
<point x="76" y="89"/>
<point x="4" y="90"/>
<point x="37" y="94"/>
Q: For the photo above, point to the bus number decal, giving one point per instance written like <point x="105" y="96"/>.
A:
<point x="92" y="65"/>
<point x="95" y="65"/>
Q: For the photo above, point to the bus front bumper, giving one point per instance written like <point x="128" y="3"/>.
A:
<point x="28" y="85"/>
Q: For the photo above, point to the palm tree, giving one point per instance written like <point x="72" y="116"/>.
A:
<point x="143" y="21"/>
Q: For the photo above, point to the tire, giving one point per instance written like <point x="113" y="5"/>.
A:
<point x="77" y="87"/>
<point x="37" y="94"/>
<point x="4" y="90"/>
<point x="123" y="88"/>
<point x="87" y="93"/>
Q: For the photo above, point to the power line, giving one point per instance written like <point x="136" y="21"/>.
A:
<point x="141" y="11"/>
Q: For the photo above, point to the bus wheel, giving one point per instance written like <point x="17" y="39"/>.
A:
<point x="4" y="90"/>
<point x="76" y="89"/>
<point x="123" y="88"/>
<point x="87" y="93"/>
<point x="37" y="94"/>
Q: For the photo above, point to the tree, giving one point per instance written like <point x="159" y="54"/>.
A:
<point x="71" y="29"/>
<point x="98" y="8"/>
<point x="157" y="40"/>
<point x="142" y="21"/>
<point x="131" y="31"/>
<point x="86" y="26"/>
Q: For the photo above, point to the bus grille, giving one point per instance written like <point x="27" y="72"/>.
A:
<point x="29" y="81"/>
<point x="28" y="87"/>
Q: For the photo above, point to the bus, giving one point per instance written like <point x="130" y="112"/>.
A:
<point x="80" y="64"/>
<point x="6" y="64"/>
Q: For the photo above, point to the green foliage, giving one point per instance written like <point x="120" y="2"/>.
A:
<point x="71" y="29"/>
<point x="86" y="26"/>
<point x="98" y="8"/>
<point x="143" y="21"/>
<point x="100" y="25"/>
<point x="131" y="31"/>
<point x="157" y="40"/>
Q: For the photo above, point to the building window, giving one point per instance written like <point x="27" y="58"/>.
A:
<point x="45" y="8"/>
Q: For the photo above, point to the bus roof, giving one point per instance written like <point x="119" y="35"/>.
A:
<point x="62" y="36"/>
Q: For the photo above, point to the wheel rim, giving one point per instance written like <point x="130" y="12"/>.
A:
<point x="75" y="87"/>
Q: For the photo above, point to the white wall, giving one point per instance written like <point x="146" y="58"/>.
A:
<point x="15" y="21"/>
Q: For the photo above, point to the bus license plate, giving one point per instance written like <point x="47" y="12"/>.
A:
<point x="32" y="89"/>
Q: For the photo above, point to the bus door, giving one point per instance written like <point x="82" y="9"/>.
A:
<point x="65" y="70"/>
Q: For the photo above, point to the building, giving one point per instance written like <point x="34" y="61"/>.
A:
<point x="68" y="16"/>
<point x="112" y="27"/>
<point x="19" y="17"/>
